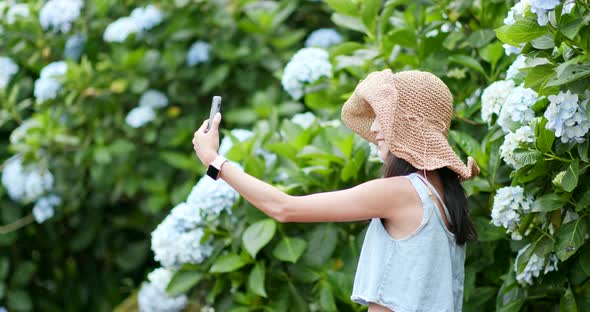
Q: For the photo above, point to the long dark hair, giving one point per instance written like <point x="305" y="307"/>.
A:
<point x="453" y="195"/>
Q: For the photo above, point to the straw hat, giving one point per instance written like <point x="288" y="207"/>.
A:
<point x="414" y="110"/>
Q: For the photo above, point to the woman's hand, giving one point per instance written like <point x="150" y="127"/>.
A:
<point x="206" y="143"/>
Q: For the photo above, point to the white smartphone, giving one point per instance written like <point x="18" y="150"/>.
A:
<point x="215" y="108"/>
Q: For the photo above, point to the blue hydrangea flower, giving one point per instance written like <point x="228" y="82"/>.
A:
<point x="510" y="202"/>
<point x="523" y="137"/>
<point x="120" y="29"/>
<point x="74" y="47"/>
<point x="323" y="38"/>
<point x="542" y="9"/>
<point x="198" y="53"/>
<point x="566" y="117"/>
<point x="212" y="197"/>
<point x="60" y="14"/>
<point x="44" y="207"/>
<point x="25" y="183"/>
<point x="139" y="116"/>
<point x="307" y="66"/>
<point x="8" y="68"/>
<point x="516" y="11"/>
<point x="18" y="10"/>
<point x="153" y="98"/>
<point x="147" y="17"/>
<point x="152" y="296"/>
<point x="47" y="86"/>
<point x="516" y="111"/>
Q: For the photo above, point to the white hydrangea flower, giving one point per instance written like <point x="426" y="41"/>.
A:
<point x="120" y="29"/>
<point x="542" y="9"/>
<point x="198" y="53"/>
<point x="147" y="17"/>
<point x="139" y="116"/>
<point x="44" y="207"/>
<point x="494" y="97"/>
<point x="174" y="242"/>
<point x="8" y="68"/>
<point x="74" y="47"/>
<point x="18" y="10"/>
<point x="152" y="296"/>
<point x="509" y="203"/>
<point x="25" y="182"/>
<point x="522" y="137"/>
<point x="516" y="11"/>
<point x="534" y="266"/>
<point x="212" y="197"/>
<point x="48" y="85"/>
<point x="307" y="66"/>
<point x="566" y="117"/>
<point x="226" y="143"/>
<point x="323" y="38"/>
<point x="60" y="14"/>
<point x="517" y="111"/>
<point x="514" y="69"/>
<point x="510" y="49"/>
<point x="153" y="98"/>
<point x="305" y="120"/>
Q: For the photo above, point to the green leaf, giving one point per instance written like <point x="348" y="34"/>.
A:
<point x="289" y="249"/>
<point x="468" y="144"/>
<point x="568" y="72"/>
<point x="510" y="296"/>
<point x="583" y="150"/>
<point x="23" y="273"/>
<point x="18" y="300"/>
<point x="568" y="179"/>
<point x="299" y="302"/>
<point x="544" y="136"/>
<point x="544" y="42"/>
<point x="570" y="28"/>
<point x="467" y="61"/>
<point x="322" y="243"/>
<point x="347" y="7"/>
<point x="182" y="281"/>
<point x="486" y="231"/>
<point x="522" y="31"/>
<point x="568" y="302"/>
<point x="227" y="263"/>
<point x="179" y="160"/>
<point x="215" y="77"/>
<point x="349" y="22"/>
<point x="585" y="259"/>
<point x="256" y="279"/>
<point x="327" y="302"/>
<point x="569" y="238"/>
<point x="258" y="235"/>
<point x="583" y="201"/>
<point x="369" y="12"/>
<point x="492" y="52"/>
<point x="526" y="156"/>
<point x="537" y="77"/>
<point x="549" y="202"/>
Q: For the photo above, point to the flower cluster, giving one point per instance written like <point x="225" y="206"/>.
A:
<point x="534" y="266"/>
<point x="567" y="117"/>
<point x="307" y="66"/>
<point x="198" y="53"/>
<point x="305" y="120"/>
<point x="8" y="68"/>
<point x="44" y="207"/>
<point x="522" y="137"/>
<point x="323" y="38"/>
<point x="15" y="10"/>
<point x="517" y="110"/>
<point x="139" y="21"/>
<point x="520" y="62"/>
<point x="25" y="182"/>
<point x="509" y="203"/>
<point x="74" y="47"/>
<point x="152" y="296"/>
<point x="60" y="14"/>
<point x="145" y="112"/>
<point x="493" y="97"/>
<point x="47" y="86"/>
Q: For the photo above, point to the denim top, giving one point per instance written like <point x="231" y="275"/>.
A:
<point x="421" y="272"/>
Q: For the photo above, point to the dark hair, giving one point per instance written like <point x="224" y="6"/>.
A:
<point x="453" y="195"/>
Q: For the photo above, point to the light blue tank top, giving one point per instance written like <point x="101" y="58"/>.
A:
<point x="421" y="272"/>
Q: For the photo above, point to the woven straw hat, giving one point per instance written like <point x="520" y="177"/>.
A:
<point x="414" y="110"/>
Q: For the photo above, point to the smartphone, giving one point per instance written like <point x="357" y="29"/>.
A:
<point x="215" y="108"/>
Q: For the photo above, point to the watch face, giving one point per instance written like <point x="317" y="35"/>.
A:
<point x="212" y="172"/>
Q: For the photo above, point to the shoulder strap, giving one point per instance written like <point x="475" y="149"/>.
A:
<point x="432" y="191"/>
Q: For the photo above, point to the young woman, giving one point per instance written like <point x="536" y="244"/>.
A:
<point x="413" y="253"/>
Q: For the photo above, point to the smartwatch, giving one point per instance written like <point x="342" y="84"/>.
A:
<point x="214" y="170"/>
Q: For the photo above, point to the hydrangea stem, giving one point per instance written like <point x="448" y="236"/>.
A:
<point x="11" y="227"/>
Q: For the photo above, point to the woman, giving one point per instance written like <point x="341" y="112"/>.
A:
<point x="412" y="257"/>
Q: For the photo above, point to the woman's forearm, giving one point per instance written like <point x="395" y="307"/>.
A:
<point x="262" y="195"/>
